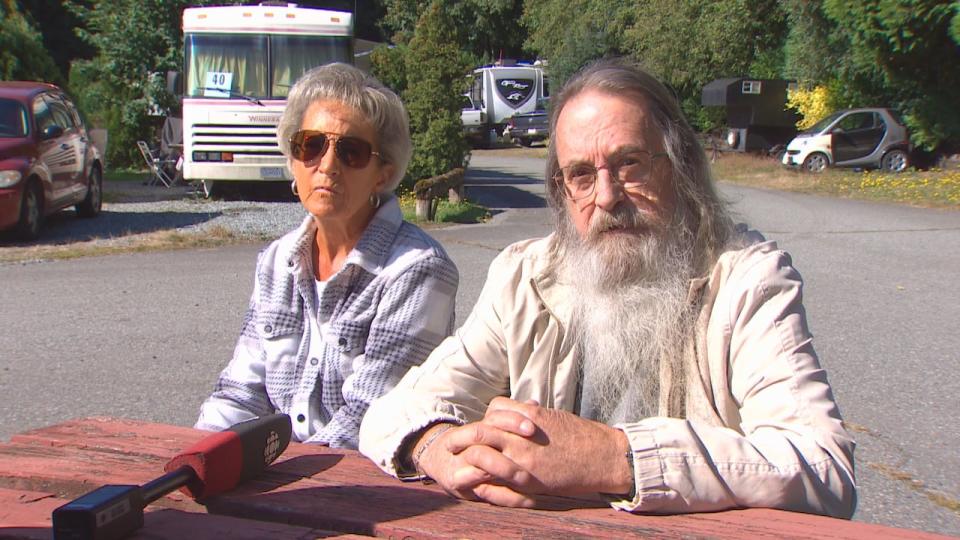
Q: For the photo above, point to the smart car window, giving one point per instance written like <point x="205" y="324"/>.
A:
<point x="855" y="121"/>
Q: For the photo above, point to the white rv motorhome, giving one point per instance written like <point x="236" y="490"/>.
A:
<point x="499" y="92"/>
<point x="240" y="62"/>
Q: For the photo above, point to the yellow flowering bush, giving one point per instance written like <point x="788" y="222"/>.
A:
<point x="812" y="104"/>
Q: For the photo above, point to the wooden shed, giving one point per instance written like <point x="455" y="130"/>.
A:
<point x="757" y="113"/>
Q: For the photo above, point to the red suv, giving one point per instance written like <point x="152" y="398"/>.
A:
<point x="47" y="158"/>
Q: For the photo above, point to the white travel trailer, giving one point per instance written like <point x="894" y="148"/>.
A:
<point x="498" y="92"/>
<point x="240" y="62"/>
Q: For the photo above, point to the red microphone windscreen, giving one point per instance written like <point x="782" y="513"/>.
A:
<point x="230" y="457"/>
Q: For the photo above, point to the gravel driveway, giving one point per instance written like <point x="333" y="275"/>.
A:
<point x="131" y="210"/>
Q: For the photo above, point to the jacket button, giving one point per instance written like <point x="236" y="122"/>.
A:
<point x="268" y="329"/>
<point x="342" y="342"/>
<point x="314" y="361"/>
<point x="290" y="262"/>
<point x="301" y="418"/>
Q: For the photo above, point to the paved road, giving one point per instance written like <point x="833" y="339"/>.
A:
<point x="144" y="335"/>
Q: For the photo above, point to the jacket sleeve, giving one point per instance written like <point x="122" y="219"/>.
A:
<point x="790" y="449"/>
<point x="453" y="385"/>
<point x="415" y="313"/>
<point x="240" y="393"/>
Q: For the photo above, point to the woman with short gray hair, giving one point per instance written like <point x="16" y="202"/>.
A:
<point x="346" y="303"/>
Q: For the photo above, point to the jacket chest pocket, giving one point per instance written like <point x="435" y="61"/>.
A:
<point x="349" y="338"/>
<point x="280" y="335"/>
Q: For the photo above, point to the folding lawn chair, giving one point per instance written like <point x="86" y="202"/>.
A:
<point x="159" y="167"/>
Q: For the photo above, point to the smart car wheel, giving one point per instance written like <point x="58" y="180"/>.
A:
<point x="816" y="162"/>
<point x="90" y="206"/>
<point x="895" y="161"/>
<point x="31" y="213"/>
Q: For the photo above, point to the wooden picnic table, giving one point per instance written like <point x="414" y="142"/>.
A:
<point x="316" y="492"/>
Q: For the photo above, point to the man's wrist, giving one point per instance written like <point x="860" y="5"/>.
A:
<point x="622" y="480"/>
<point x="412" y="451"/>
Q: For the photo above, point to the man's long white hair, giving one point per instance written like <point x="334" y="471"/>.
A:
<point x="634" y="322"/>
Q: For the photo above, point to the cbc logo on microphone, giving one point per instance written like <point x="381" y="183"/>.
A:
<point x="271" y="448"/>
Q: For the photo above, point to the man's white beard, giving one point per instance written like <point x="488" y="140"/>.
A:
<point x="630" y="288"/>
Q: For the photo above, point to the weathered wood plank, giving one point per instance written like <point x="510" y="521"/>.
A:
<point x="27" y="515"/>
<point x="327" y="489"/>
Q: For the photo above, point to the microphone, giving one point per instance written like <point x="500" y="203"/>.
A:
<point x="215" y="464"/>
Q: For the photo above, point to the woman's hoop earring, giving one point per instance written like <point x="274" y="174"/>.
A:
<point x="293" y="188"/>
<point x="375" y="200"/>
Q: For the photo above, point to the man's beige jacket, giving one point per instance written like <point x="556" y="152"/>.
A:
<point x="758" y="428"/>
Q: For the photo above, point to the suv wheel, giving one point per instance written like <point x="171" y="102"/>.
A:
<point x="816" y="162"/>
<point x="31" y="213"/>
<point x="91" y="204"/>
<point x="895" y="161"/>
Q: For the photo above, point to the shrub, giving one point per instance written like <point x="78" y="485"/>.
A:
<point x="813" y="104"/>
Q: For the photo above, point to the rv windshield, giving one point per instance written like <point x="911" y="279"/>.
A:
<point x="255" y="66"/>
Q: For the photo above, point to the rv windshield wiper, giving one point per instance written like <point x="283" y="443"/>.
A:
<point x="233" y="94"/>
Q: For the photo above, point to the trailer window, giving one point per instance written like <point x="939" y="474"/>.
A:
<point x="750" y="87"/>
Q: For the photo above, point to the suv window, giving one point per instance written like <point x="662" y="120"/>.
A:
<point x="42" y="114"/>
<point x="13" y="120"/>
<point x="61" y="116"/>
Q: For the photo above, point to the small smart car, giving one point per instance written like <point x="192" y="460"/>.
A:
<point x="873" y="138"/>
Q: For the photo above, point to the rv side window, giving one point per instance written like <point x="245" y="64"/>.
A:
<point x="751" y="87"/>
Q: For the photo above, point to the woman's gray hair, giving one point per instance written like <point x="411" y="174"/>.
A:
<point x="362" y="92"/>
<point x="709" y="223"/>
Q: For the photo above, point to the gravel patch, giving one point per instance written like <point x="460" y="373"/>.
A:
<point x="132" y="209"/>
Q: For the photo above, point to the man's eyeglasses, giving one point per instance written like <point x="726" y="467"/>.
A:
<point x="630" y="169"/>
<point x="308" y="145"/>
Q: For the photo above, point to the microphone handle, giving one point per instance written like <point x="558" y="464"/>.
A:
<point x="175" y="479"/>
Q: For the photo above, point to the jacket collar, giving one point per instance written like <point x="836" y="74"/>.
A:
<point x="370" y="253"/>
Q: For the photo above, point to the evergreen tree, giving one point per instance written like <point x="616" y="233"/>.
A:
<point x="22" y="54"/>
<point x="435" y="70"/>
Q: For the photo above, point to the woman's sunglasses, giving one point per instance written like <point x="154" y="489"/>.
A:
<point x="307" y="145"/>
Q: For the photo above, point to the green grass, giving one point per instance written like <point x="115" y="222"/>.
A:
<point x="126" y="175"/>
<point x="447" y="212"/>
<point x="933" y="188"/>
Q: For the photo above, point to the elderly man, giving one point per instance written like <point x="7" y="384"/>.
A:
<point x="648" y="351"/>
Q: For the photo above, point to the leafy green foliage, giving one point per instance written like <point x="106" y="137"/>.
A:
<point x="22" y="54"/>
<point x="56" y="23"/>
<point x="136" y="41"/>
<point x="906" y="49"/>
<point x="692" y="42"/>
<point x="571" y="33"/>
<point x="388" y="64"/>
<point x="488" y="29"/>
<point x="814" y="46"/>
<point x="434" y="72"/>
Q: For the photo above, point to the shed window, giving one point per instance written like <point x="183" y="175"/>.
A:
<point x="750" y="87"/>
